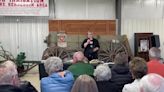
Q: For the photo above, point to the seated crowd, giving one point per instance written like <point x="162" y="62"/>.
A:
<point x="135" y="75"/>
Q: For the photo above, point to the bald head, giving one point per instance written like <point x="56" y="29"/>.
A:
<point x="78" y="56"/>
<point x="154" y="53"/>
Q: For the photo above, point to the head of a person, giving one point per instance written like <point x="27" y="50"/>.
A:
<point x="53" y="64"/>
<point x="10" y="65"/>
<point x="102" y="73"/>
<point x="90" y="35"/>
<point x="121" y="59"/>
<point x="138" y="67"/>
<point x="154" y="53"/>
<point x="84" y="83"/>
<point x="78" y="57"/>
<point x="9" y="88"/>
<point x="9" y="74"/>
<point x="152" y="83"/>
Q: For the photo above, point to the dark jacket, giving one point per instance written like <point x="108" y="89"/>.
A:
<point x="88" y="51"/>
<point x="106" y="86"/>
<point x="26" y="86"/>
<point x="121" y="76"/>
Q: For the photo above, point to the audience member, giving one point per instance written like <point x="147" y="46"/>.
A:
<point x="9" y="88"/>
<point x="78" y="56"/>
<point x="9" y="76"/>
<point x="58" y="80"/>
<point x="152" y="83"/>
<point x="120" y="71"/>
<point x="103" y="75"/>
<point x="79" y="67"/>
<point x="155" y="65"/>
<point x="84" y="83"/>
<point x="138" y="69"/>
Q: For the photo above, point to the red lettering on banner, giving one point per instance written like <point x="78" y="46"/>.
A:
<point x="2" y="0"/>
<point x="11" y="4"/>
<point x="24" y="7"/>
<point x="12" y="0"/>
<point x="21" y="5"/>
<point x="2" y="4"/>
<point x="38" y="1"/>
<point x="42" y="5"/>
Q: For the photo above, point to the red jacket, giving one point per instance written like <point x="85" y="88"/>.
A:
<point x="154" y="66"/>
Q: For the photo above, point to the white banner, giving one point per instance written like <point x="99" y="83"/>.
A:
<point x="24" y="7"/>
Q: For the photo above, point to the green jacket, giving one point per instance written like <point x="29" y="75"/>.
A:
<point x="81" y="68"/>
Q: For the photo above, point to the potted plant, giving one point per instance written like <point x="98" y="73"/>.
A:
<point x="19" y="62"/>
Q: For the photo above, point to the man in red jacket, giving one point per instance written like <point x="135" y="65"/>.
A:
<point x="155" y="65"/>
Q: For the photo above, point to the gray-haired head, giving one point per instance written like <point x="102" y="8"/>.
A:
<point x="53" y="64"/>
<point x="152" y="83"/>
<point x="154" y="53"/>
<point x="11" y="66"/>
<point x="102" y="73"/>
<point x="9" y="74"/>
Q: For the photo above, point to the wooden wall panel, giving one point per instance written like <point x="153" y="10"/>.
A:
<point x="81" y="27"/>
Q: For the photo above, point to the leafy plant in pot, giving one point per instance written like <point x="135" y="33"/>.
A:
<point x="19" y="62"/>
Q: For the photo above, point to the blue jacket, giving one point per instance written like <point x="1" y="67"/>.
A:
<point x="55" y="83"/>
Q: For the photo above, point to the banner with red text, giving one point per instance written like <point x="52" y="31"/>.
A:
<point x="24" y="7"/>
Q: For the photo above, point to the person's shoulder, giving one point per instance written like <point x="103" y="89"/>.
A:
<point x="154" y="62"/>
<point x="26" y="86"/>
<point x="69" y="73"/>
<point x="95" y="39"/>
<point x="73" y="67"/>
<point x="131" y="87"/>
<point x="85" y="39"/>
<point x="80" y="64"/>
<point x="88" y="65"/>
<point x="127" y="88"/>
<point x="47" y="80"/>
<point x="44" y="80"/>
